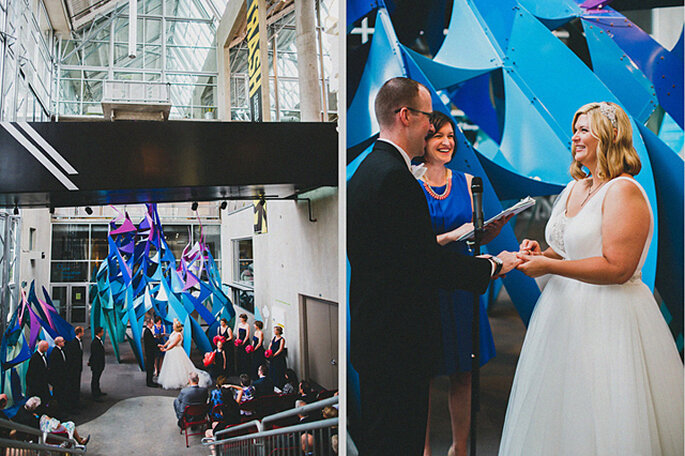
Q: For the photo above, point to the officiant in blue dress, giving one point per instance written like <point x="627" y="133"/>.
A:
<point x="448" y="193"/>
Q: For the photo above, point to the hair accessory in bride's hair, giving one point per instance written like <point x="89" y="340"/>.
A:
<point x="609" y="112"/>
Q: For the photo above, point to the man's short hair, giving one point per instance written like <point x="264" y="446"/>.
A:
<point x="264" y="369"/>
<point x="245" y="380"/>
<point x="78" y="330"/>
<point x="98" y="329"/>
<point x="148" y="320"/>
<point x="193" y="377"/>
<point x="394" y="94"/>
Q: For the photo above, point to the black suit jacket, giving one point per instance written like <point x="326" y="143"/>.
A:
<point x="149" y="345"/>
<point x="263" y="386"/>
<point x="97" y="355"/>
<point x="396" y="268"/>
<point x="37" y="378"/>
<point x="57" y="368"/>
<point x="74" y="356"/>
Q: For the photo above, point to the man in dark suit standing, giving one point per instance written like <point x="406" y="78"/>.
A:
<point x="57" y="372"/>
<point x="396" y="268"/>
<point x="37" y="374"/>
<point x="191" y="394"/>
<point x="74" y="351"/>
<point x="97" y="364"/>
<point x="150" y="347"/>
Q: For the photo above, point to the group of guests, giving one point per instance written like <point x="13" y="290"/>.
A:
<point x="53" y="384"/>
<point x="238" y="354"/>
<point x="224" y="399"/>
<point x="56" y="377"/>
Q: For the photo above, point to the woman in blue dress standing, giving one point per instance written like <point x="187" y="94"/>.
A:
<point x="278" y="352"/>
<point x="448" y="193"/>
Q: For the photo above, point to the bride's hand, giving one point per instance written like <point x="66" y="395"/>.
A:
<point x="530" y="247"/>
<point x="534" y="265"/>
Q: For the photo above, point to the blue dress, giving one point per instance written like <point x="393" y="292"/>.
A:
<point x="257" y="356"/>
<point x="278" y="363"/>
<point x="456" y="307"/>
<point x="242" y="357"/>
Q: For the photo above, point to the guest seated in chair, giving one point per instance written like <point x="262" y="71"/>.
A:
<point x="291" y="382"/>
<point x="263" y="386"/>
<point x="191" y="394"/>
<point x="307" y="393"/>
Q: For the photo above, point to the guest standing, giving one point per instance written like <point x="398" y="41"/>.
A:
<point x="97" y="363"/>
<point x="220" y="366"/>
<point x="257" y="348"/>
<point x="244" y="340"/>
<point x="57" y="373"/>
<point x="37" y="374"/>
<point x="74" y="351"/>
<point x="226" y="332"/>
<point x="278" y="354"/>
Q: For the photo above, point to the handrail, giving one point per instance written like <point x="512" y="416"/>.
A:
<point x="285" y="430"/>
<point x="7" y="443"/>
<point x="242" y="426"/>
<point x="297" y="410"/>
<point x="275" y="417"/>
<point x="30" y="430"/>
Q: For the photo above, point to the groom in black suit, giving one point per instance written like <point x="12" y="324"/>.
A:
<point x="150" y="347"/>
<point x="397" y="267"/>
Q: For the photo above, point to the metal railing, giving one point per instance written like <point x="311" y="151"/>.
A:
<point x="318" y="438"/>
<point x="136" y="92"/>
<point x="63" y="445"/>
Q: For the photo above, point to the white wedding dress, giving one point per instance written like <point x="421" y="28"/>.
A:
<point x="599" y="372"/>
<point x="176" y="367"/>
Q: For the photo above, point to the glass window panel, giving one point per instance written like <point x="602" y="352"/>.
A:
<point x="185" y="8"/>
<point x="245" y="299"/>
<point x="177" y="236"/>
<point x="70" y="89"/>
<point x="99" y="245"/>
<point x="68" y="109"/>
<point x="153" y="31"/>
<point x="121" y="30"/>
<point x="70" y="242"/>
<point x="69" y="271"/>
<point x="212" y="237"/>
<point x="96" y="54"/>
<point x="92" y="90"/>
<point x="152" y="7"/>
<point x="190" y="58"/>
<point x="153" y="76"/>
<point x="185" y="33"/>
<point x="153" y="57"/>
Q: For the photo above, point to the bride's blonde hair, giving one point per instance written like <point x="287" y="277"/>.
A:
<point x="178" y="327"/>
<point x="616" y="155"/>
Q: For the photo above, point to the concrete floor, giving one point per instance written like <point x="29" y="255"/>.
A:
<point x="133" y="419"/>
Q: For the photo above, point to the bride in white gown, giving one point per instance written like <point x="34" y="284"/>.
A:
<point x="176" y="366"/>
<point x="599" y="372"/>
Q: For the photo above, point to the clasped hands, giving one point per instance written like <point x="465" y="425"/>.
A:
<point x="532" y="261"/>
<point x="529" y="260"/>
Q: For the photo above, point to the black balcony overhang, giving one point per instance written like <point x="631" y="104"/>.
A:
<point x="62" y="164"/>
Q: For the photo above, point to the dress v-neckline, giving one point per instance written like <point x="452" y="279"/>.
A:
<point x="587" y="203"/>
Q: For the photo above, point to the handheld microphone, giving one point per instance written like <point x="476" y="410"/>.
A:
<point x="477" y="192"/>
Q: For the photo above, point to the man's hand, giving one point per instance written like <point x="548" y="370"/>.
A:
<point x="509" y="260"/>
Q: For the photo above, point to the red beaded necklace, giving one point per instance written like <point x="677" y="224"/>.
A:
<point x="448" y="187"/>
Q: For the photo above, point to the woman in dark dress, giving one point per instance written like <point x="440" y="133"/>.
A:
<point x="226" y="332"/>
<point x="448" y="193"/>
<point x="278" y="353"/>
<point x="220" y="366"/>
<point x="241" y="355"/>
<point x="257" y="348"/>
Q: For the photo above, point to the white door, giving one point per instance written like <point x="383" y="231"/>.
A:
<point x="320" y="320"/>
